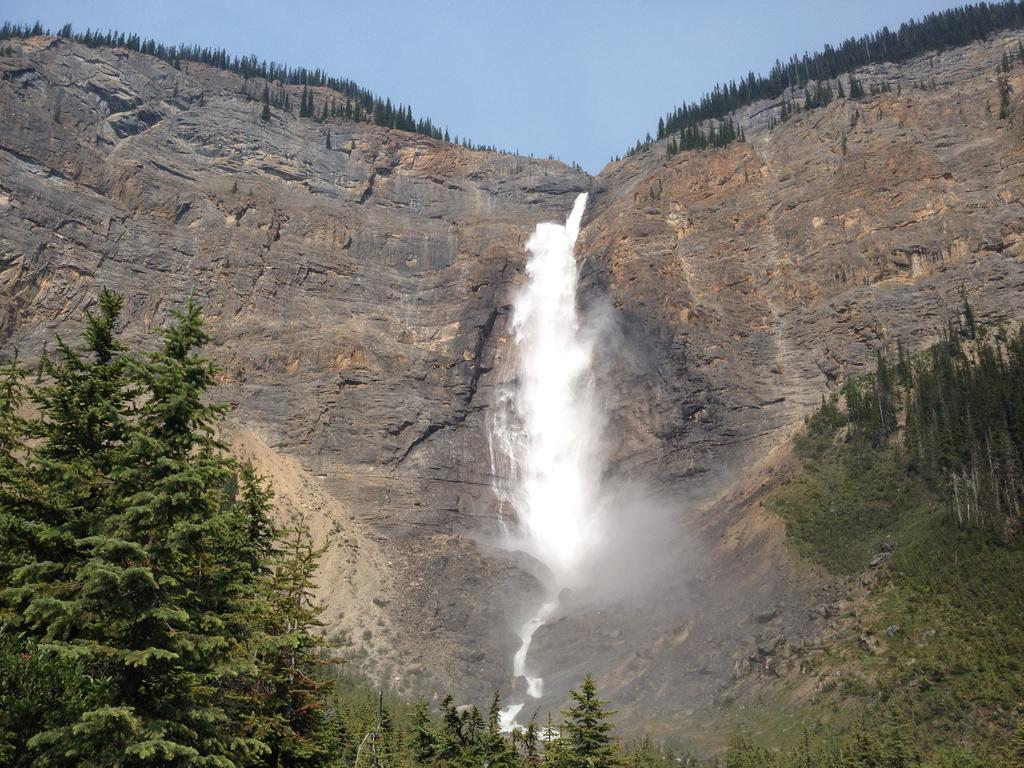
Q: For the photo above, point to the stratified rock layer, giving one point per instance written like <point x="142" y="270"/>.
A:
<point x="359" y="300"/>
<point x="351" y="292"/>
<point x="748" y="281"/>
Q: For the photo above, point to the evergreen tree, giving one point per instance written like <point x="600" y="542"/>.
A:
<point x="139" y="565"/>
<point x="496" y="750"/>
<point x="292" y="719"/>
<point x="647" y="755"/>
<point x="743" y="753"/>
<point x="453" y="737"/>
<point x="531" y="741"/>
<point x="265" y="114"/>
<point x="389" y="742"/>
<point x="856" y="89"/>
<point x="586" y="730"/>
<point x="122" y="503"/>
<point x="39" y="691"/>
<point x="424" y="738"/>
<point x="885" y="395"/>
<point x="970" y="328"/>
<point x="557" y="750"/>
<point x="1005" y="89"/>
<point x="15" y="529"/>
<point x="60" y="491"/>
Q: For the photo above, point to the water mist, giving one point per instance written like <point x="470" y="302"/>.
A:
<point x="547" y="427"/>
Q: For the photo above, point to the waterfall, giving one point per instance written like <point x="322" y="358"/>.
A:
<point x="545" y="432"/>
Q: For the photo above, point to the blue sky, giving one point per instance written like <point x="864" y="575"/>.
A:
<point x="581" y="81"/>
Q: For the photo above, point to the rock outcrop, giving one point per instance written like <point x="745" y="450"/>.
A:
<point x="359" y="299"/>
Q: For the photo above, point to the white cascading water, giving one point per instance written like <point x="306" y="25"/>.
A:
<point x="546" y="429"/>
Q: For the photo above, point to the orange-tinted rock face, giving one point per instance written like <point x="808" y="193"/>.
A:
<point x="784" y="262"/>
<point x="748" y="280"/>
<point x="359" y="298"/>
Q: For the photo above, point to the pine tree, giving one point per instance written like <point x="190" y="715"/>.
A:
<point x="453" y="738"/>
<point x="647" y="755"/>
<point x="292" y="718"/>
<point x="496" y="750"/>
<point x="61" y="490"/>
<point x="389" y="743"/>
<point x="856" y="89"/>
<point x="15" y="529"/>
<point x="39" y="691"/>
<point x="161" y="576"/>
<point x="742" y="753"/>
<point x="424" y="739"/>
<point x="265" y="114"/>
<point x="586" y="730"/>
<point x="146" y="565"/>
<point x="557" y="750"/>
<point x="89" y="589"/>
<point x="462" y="741"/>
<point x="970" y="327"/>
<point x="1005" y="89"/>
<point x="531" y="742"/>
<point x="886" y="396"/>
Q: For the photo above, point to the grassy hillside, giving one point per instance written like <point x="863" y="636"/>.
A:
<point x="912" y="477"/>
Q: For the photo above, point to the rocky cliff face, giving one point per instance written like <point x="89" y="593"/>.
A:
<point x="359" y="296"/>
<point x="352" y="292"/>
<point x="749" y="280"/>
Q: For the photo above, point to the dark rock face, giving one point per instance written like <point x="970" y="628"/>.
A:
<point x="359" y="300"/>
